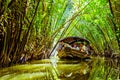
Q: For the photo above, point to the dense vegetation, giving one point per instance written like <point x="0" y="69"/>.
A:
<point x="33" y="27"/>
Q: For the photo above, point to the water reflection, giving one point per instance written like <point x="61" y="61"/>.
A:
<point x="94" y="69"/>
<point x="105" y="69"/>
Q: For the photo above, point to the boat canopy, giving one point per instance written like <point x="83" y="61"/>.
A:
<point x="72" y="40"/>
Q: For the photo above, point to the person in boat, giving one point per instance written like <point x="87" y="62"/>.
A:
<point x="86" y="48"/>
<point x="76" y="47"/>
<point x="81" y="47"/>
<point x="23" y="58"/>
<point x="61" y="46"/>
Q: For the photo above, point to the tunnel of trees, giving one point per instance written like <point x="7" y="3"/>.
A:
<point x="34" y="27"/>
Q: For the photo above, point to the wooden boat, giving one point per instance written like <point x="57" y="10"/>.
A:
<point x="66" y="48"/>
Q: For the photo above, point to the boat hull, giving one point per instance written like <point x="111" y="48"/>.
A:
<point x="68" y="53"/>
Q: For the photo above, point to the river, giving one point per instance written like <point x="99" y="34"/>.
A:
<point x="55" y="69"/>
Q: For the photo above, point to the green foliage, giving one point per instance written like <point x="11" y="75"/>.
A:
<point x="93" y="24"/>
<point x="34" y="26"/>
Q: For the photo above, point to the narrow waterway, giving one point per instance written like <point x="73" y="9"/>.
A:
<point x="55" y="69"/>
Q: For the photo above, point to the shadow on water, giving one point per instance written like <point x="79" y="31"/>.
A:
<point x="54" y="69"/>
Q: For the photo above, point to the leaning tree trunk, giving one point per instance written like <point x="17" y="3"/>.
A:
<point x="115" y="10"/>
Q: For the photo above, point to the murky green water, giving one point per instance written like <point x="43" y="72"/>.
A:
<point x="53" y="69"/>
